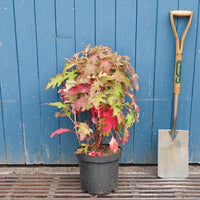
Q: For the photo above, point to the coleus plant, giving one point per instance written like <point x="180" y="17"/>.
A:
<point x="100" y="82"/>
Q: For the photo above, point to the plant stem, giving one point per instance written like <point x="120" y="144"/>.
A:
<point x="75" y="122"/>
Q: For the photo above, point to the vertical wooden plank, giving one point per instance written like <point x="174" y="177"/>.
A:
<point x="45" y="19"/>
<point x="105" y="22"/>
<point x="195" y="120"/>
<point x="187" y="64"/>
<point x="2" y="133"/>
<point x="67" y="140"/>
<point x="164" y="67"/>
<point x="125" y="45"/>
<point x="28" y="68"/>
<point x="145" y="59"/>
<point x="65" y="11"/>
<point x="126" y="28"/>
<point x="66" y="49"/>
<point x="9" y="81"/>
<point x="84" y="24"/>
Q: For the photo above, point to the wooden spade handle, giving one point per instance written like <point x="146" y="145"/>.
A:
<point x="179" y="45"/>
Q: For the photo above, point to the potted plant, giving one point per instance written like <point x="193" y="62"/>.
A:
<point x="100" y="82"/>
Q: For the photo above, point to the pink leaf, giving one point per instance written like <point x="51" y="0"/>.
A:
<point x="126" y="136"/>
<point x="105" y="66"/>
<point x="137" y="110"/>
<point x="79" y="103"/>
<point x="91" y="153"/>
<point x="94" y="58"/>
<point x="63" y="94"/>
<point x="113" y="145"/>
<point x="80" y="88"/>
<point x="99" y="153"/>
<point x="59" y="131"/>
<point x="136" y="86"/>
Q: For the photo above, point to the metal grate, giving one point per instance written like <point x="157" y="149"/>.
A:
<point x="67" y="186"/>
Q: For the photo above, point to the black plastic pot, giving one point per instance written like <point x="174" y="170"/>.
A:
<point x="99" y="175"/>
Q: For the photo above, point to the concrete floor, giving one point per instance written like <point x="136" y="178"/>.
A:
<point x="123" y="169"/>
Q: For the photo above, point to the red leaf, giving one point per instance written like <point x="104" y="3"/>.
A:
<point x="80" y="88"/>
<point x="94" y="119"/>
<point x="109" y="121"/>
<point x="59" y="131"/>
<point x="113" y="145"/>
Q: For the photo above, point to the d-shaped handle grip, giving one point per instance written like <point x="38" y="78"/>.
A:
<point x="179" y="45"/>
<point x="181" y="13"/>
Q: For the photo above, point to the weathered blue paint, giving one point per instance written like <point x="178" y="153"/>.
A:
<point x="2" y="134"/>
<point x="65" y="14"/>
<point x="35" y="38"/>
<point x="146" y="33"/>
<point x="46" y="42"/>
<point x="84" y="23"/>
<point x="187" y="65"/>
<point x="29" y="79"/>
<point x="10" y="88"/>
<point x="195" y="110"/>
<point x="105" y="22"/>
<point x="67" y="141"/>
<point x="124" y="39"/>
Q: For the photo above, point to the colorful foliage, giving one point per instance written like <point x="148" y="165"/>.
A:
<point x="101" y="82"/>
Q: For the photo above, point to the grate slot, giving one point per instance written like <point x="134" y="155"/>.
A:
<point x="67" y="186"/>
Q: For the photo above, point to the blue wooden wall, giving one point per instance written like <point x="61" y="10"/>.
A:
<point x="36" y="36"/>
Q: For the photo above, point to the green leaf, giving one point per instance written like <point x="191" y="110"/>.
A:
<point x="86" y="150"/>
<point x="119" y="127"/>
<point x="67" y="66"/>
<point x="71" y="75"/>
<point x="120" y="76"/>
<point x="98" y="99"/>
<point x="111" y="99"/>
<point x="83" y="130"/>
<point x="59" y="79"/>
<point x="55" y="81"/>
<point x="79" y="149"/>
<point x="130" y="120"/>
<point x="118" y="91"/>
<point x="116" y="111"/>
<point x="57" y="104"/>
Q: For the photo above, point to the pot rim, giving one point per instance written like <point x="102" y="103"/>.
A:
<point x="99" y="159"/>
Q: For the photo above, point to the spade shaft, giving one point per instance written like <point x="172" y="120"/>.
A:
<point x="178" y="64"/>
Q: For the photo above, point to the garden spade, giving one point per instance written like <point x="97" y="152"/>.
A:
<point x="173" y="144"/>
